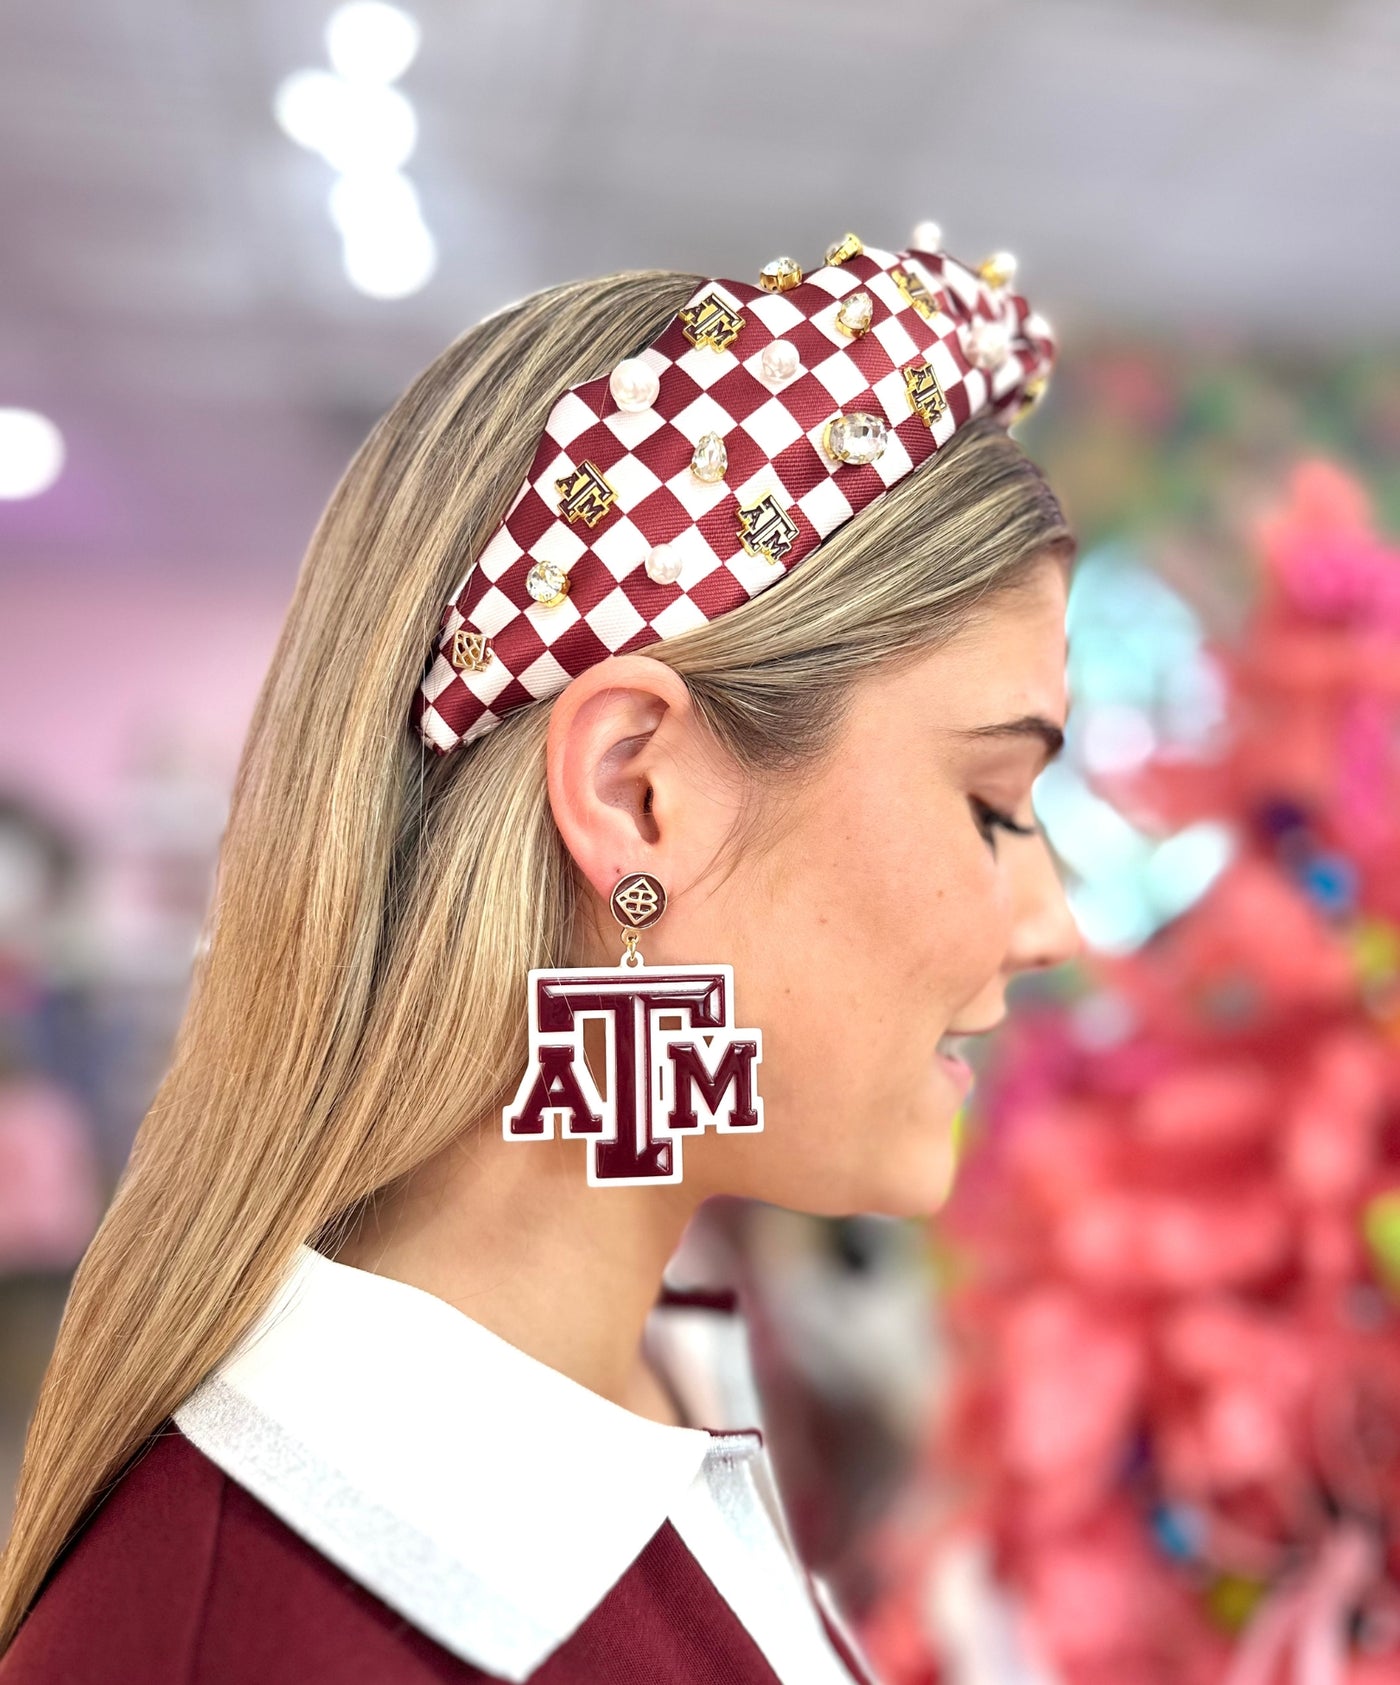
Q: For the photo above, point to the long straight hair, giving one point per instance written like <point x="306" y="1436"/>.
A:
<point x="355" y="997"/>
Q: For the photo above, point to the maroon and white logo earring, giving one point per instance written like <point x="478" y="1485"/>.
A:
<point x="675" y="1062"/>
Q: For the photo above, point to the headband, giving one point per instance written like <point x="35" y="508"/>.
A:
<point x="698" y="473"/>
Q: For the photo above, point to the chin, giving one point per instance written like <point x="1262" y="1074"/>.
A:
<point x="918" y="1171"/>
<point x="918" y="1195"/>
<point x="889" y="1156"/>
<point x="910" y="1178"/>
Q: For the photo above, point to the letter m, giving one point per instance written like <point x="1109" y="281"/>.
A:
<point x="734" y="1070"/>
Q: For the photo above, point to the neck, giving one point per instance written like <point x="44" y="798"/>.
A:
<point x="512" y="1235"/>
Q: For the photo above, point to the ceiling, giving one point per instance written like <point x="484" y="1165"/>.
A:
<point x="170" y="284"/>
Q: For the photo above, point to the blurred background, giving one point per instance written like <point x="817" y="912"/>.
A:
<point x="1129" y="1411"/>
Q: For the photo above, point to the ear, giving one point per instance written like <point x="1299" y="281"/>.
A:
<point x="621" y="736"/>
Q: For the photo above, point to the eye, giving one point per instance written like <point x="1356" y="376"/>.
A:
<point x="990" y="820"/>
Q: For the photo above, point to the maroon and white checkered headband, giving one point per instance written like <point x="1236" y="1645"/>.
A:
<point x="695" y="475"/>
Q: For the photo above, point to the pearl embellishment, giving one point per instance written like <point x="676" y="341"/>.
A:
<point x="927" y="237"/>
<point x="663" y="564"/>
<point x="987" y="343"/>
<point x="780" y="361"/>
<point x="634" y="384"/>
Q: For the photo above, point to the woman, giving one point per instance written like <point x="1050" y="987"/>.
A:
<point x="349" y="1385"/>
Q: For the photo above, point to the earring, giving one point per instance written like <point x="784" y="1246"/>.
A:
<point x="654" y="1074"/>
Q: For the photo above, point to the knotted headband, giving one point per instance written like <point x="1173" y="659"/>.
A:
<point x="696" y="474"/>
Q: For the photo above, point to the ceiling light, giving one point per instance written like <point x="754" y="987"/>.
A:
<point x="31" y="453"/>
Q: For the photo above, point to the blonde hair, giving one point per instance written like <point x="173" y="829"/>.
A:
<point x="356" y="999"/>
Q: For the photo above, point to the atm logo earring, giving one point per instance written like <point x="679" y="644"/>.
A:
<point x="675" y="1061"/>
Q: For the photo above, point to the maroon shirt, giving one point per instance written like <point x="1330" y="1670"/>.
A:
<point x="186" y="1576"/>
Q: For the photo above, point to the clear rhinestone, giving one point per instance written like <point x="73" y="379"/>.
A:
<point x="781" y="275"/>
<point x="710" y="459"/>
<point x="858" y="438"/>
<point x="547" y="583"/>
<point x="855" y="315"/>
<point x="848" y="246"/>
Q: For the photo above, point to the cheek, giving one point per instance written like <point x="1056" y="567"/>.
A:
<point x="950" y="914"/>
<point x="880" y="918"/>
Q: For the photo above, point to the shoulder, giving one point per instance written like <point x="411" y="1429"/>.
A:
<point x="181" y="1577"/>
<point x="134" y="1581"/>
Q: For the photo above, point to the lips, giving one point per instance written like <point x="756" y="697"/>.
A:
<point x="958" y="1069"/>
<point x="950" y="1049"/>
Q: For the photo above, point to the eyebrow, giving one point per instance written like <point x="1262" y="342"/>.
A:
<point x="1027" y="725"/>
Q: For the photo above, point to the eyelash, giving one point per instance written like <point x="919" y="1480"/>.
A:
<point x="992" y="819"/>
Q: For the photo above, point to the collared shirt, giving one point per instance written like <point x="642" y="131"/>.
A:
<point x="489" y="1498"/>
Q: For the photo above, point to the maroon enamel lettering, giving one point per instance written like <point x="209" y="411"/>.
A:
<point x="674" y="1063"/>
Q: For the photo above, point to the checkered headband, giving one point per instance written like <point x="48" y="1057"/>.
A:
<point x="698" y="473"/>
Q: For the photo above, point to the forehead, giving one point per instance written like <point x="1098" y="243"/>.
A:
<point x="1008" y="660"/>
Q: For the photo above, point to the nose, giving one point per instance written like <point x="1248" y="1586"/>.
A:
<point x="1044" y="930"/>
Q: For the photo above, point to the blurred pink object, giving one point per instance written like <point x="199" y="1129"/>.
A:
<point x="1323" y="550"/>
<point x="1072" y="1382"/>
<point x="50" y="1198"/>
<point x="1302" y="1628"/>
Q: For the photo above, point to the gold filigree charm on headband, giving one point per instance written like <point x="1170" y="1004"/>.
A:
<point x="710" y="321"/>
<point x="766" y="528"/>
<point x="469" y="652"/>
<point x="926" y="397"/>
<point x="584" y="495"/>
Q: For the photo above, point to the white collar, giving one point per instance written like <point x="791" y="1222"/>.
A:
<point x="485" y="1495"/>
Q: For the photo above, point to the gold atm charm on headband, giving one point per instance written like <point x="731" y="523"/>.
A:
<point x="766" y="528"/>
<point x="926" y="396"/>
<point x="914" y="290"/>
<point x="584" y="495"/>
<point x="710" y="321"/>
